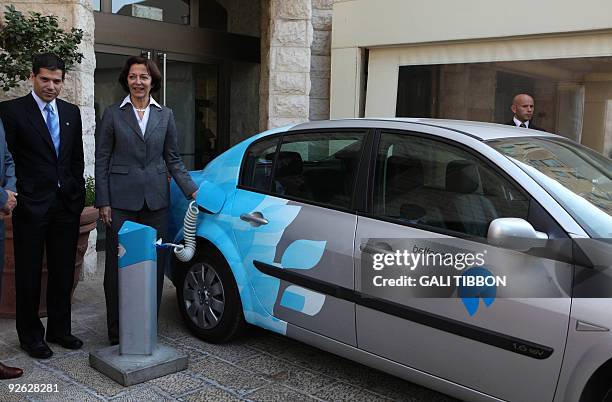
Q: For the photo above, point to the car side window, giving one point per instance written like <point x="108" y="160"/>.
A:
<point x="257" y="166"/>
<point x="318" y="167"/>
<point x="431" y="183"/>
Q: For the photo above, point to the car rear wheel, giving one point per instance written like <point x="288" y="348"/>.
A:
<point x="208" y="299"/>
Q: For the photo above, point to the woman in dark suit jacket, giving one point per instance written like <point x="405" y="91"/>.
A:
<point x="136" y="147"/>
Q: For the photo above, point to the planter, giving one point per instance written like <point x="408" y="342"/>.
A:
<point x="7" y="296"/>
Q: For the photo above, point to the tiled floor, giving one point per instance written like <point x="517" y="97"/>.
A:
<point x="260" y="366"/>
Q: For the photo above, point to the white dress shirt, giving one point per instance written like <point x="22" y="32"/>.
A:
<point x="518" y="123"/>
<point x="41" y="105"/>
<point x="142" y="123"/>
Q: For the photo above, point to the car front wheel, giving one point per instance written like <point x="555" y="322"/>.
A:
<point x="209" y="300"/>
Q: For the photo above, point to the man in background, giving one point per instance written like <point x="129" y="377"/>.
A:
<point x="523" y="108"/>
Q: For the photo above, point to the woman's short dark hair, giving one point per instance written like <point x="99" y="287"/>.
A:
<point x="151" y="68"/>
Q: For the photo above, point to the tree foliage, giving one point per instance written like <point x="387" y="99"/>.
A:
<point x="21" y="37"/>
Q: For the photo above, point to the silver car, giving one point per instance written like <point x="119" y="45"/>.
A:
<point x="470" y="258"/>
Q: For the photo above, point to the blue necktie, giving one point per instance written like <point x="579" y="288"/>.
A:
<point x="53" y="126"/>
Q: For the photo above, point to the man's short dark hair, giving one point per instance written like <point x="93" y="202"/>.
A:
<point x="49" y="61"/>
<point x="151" y="68"/>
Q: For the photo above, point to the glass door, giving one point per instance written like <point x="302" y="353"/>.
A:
<point x="191" y="90"/>
<point x="189" y="87"/>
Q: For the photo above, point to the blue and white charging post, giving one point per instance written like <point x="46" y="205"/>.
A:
<point x="138" y="357"/>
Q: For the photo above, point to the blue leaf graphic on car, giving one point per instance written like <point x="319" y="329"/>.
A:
<point x="471" y="295"/>
<point x="303" y="254"/>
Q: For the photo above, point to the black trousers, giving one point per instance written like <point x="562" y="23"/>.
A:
<point x="156" y="219"/>
<point x="57" y="232"/>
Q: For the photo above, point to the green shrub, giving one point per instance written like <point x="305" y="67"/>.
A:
<point x="21" y="37"/>
<point x="90" y="191"/>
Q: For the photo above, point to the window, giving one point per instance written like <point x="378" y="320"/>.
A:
<point x="425" y="182"/>
<point x="258" y="165"/>
<point x="174" y="12"/>
<point x="319" y="167"/>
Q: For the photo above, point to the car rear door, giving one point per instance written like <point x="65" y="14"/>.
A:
<point x="297" y="226"/>
<point x="433" y="196"/>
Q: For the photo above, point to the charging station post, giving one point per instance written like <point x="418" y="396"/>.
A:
<point x="138" y="357"/>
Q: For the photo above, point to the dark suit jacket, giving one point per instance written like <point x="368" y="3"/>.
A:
<point x="37" y="167"/>
<point x="531" y="126"/>
<point x="7" y="170"/>
<point x="132" y="169"/>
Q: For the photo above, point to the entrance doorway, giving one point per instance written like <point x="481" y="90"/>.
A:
<point x="190" y="89"/>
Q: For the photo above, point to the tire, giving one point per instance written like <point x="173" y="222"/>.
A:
<point x="607" y="395"/>
<point x="208" y="298"/>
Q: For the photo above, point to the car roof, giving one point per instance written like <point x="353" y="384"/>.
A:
<point x="480" y="130"/>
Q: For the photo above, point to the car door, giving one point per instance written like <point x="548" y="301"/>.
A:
<point x="297" y="227"/>
<point x="431" y="196"/>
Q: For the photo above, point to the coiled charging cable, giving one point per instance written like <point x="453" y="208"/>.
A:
<point x="185" y="252"/>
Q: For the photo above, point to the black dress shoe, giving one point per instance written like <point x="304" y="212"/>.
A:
<point x="6" y="372"/>
<point x="38" y="349"/>
<point x="114" y="341"/>
<point x="67" y="341"/>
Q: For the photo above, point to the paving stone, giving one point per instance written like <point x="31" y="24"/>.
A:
<point x="267" y="341"/>
<point x="191" y="352"/>
<point x="228" y="376"/>
<point x="33" y="374"/>
<point x="85" y="310"/>
<point x="211" y="394"/>
<point x="345" y="392"/>
<point x="8" y="351"/>
<point x="139" y="394"/>
<point x="5" y="396"/>
<point x="292" y="376"/>
<point x="231" y="352"/>
<point x="178" y="383"/>
<point x="76" y="366"/>
<point x="92" y="340"/>
<point x="70" y="393"/>
<point x="260" y="365"/>
<point x="278" y="393"/>
<point x="97" y="323"/>
<point x="171" y="327"/>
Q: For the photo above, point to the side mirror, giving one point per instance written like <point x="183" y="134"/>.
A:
<point x="210" y="197"/>
<point x="516" y="234"/>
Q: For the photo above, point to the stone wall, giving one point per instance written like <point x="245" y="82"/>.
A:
<point x="79" y="84"/>
<point x="286" y="60"/>
<point x="320" y="64"/>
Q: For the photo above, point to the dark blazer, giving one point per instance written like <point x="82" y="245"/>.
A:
<point x="531" y="126"/>
<point x="37" y="166"/>
<point x="132" y="169"/>
<point x="7" y="170"/>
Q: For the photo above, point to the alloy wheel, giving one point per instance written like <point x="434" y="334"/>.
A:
<point x="204" y="296"/>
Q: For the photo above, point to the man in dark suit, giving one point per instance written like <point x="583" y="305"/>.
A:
<point x="523" y="107"/>
<point x="44" y="135"/>
<point x="8" y="201"/>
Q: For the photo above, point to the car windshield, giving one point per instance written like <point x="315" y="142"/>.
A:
<point x="577" y="177"/>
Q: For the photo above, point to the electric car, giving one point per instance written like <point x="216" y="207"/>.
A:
<point x="294" y="224"/>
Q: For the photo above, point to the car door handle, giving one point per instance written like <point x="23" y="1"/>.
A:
<point x="254" y="218"/>
<point x="369" y="249"/>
